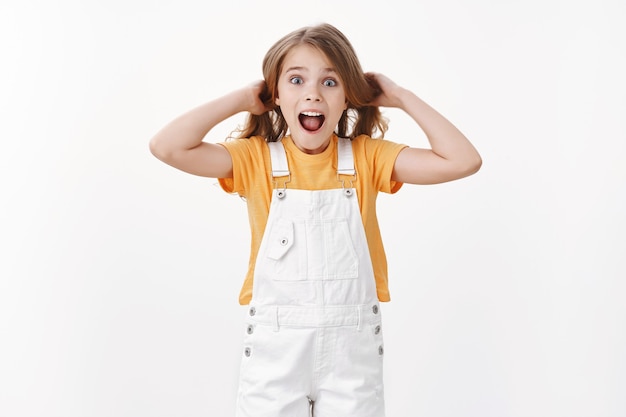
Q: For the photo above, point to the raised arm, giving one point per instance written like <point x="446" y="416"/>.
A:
<point x="180" y="143"/>
<point x="451" y="156"/>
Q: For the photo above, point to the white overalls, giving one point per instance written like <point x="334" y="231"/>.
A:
<point x="313" y="342"/>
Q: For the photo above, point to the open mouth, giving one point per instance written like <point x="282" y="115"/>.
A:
<point x="311" y="121"/>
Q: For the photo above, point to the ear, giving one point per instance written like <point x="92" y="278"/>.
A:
<point x="277" y="101"/>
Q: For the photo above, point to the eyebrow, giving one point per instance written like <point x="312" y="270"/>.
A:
<point x="297" y="68"/>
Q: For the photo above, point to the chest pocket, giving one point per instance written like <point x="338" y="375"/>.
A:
<point x="301" y="250"/>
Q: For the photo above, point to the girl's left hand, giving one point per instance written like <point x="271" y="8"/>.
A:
<point x="387" y="90"/>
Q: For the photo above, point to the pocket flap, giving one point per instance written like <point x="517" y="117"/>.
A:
<point x="280" y="239"/>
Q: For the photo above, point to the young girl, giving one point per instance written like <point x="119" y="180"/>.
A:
<point x="310" y="171"/>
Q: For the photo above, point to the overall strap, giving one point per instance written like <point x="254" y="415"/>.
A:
<point x="345" y="160"/>
<point x="278" y="158"/>
<point x="280" y="167"/>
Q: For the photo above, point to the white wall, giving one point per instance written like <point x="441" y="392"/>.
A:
<point x="119" y="275"/>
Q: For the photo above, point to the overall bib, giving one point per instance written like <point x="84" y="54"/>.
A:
<point x="313" y="344"/>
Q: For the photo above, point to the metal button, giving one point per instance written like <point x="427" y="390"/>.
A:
<point x="375" y="309"/>
<point x="380" y="350"/>
<point x="347" y="192"/>
<point x="284" y="241"/>
<point x="252" y="311"/>
<point x="250" y="329"/>
<point x="247" y="351"/>
<point x="377" y="329"/>
<point x="280" y="193"/>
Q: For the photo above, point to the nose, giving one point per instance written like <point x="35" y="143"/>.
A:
<point x="313" y="94"/>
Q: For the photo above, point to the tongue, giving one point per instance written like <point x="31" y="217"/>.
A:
<point x="311" y="123"/>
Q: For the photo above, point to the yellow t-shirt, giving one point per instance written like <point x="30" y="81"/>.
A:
<point x="252" y="179"/>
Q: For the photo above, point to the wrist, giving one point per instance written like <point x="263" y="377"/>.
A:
<point x="404" y="97"/>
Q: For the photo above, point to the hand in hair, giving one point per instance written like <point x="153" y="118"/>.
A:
<point x="385" y="90"/>
<point x="258" y="98"/>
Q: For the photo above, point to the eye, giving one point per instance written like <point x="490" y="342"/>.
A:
<point x="330" y="82"/>
<point x="296" y="80"/>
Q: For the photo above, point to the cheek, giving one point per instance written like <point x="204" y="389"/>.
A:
<point x="341" y="102"/>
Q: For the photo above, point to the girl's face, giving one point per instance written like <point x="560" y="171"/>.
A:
<point x="311" y="98"/>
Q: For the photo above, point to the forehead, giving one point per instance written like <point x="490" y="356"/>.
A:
<point x="305" y="56"/>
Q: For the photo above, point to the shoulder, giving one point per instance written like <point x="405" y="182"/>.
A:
<point x="367" y="146"/>
<point x="253" y="148"/>
<point x="252" y="143"/>
<point x="376" y="158"/>
<point x="250" y="159"/>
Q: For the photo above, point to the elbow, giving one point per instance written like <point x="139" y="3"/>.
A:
<point x="475" y="164"/>
<point x="469" y="167"/>
<point x="154" y="147"/>
<point x="158" y="150"/>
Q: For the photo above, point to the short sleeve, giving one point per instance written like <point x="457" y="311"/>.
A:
<point x="248" y="157"/>
<point x="380" y="157"/>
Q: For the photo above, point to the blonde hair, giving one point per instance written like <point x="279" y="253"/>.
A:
<point x="358" y="119"/>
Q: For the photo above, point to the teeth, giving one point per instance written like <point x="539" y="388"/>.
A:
<point x="311" y="113"/>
